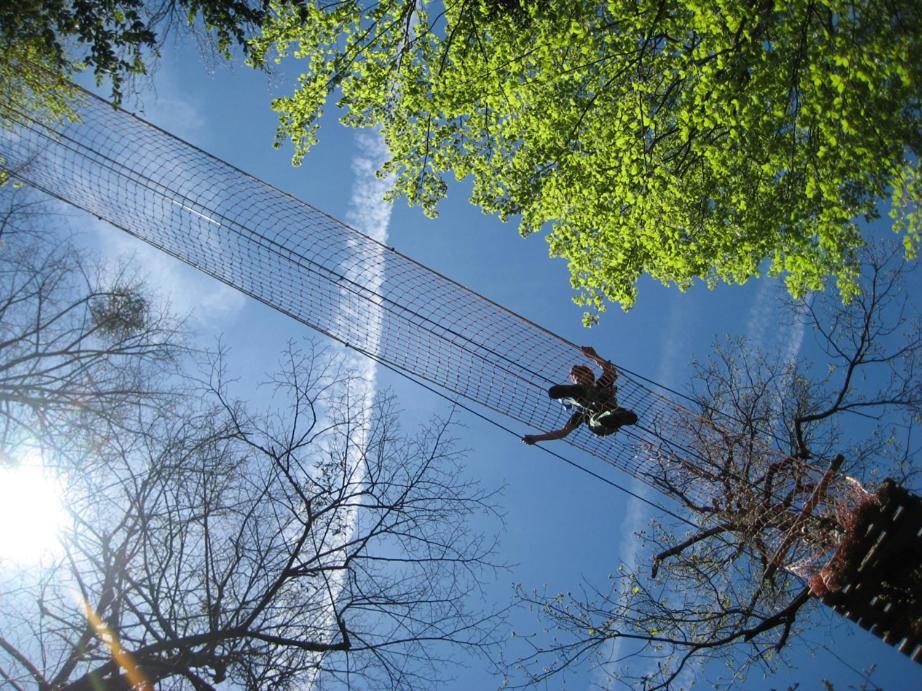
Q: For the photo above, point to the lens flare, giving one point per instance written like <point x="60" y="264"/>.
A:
<point x="121" y="656"/>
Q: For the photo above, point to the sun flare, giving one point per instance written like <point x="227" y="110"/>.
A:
<point x="31" y="512"/>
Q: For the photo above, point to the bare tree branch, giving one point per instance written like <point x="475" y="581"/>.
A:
<point x="763" y="479"/>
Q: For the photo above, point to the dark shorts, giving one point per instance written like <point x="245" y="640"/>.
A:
<point x="586" y="397"/>
<point x="577" y="392"/>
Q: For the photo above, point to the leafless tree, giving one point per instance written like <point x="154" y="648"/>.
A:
<point x="313" y="543"/>
<point x="78" y="342"/>
<point x="766" y="477"/>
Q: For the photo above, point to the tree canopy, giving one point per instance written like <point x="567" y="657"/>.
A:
<point x="44" y="44"/>
<point x="113" y="38"/>
<point x="681" y="139"/>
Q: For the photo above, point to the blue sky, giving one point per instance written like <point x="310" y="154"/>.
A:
<point x="561" y="527"/>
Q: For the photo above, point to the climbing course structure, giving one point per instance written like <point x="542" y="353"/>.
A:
<point x="384" y="304"/>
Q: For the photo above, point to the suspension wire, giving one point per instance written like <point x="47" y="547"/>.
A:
<point x="768" y="432"/>
<point x="419" y="382"/>
<point x="459" y="353"/>
<point x="453" y="401"/>
<point x="687" y="451"/>
<point x="457" y="403"/>
<point x="529" y="375"/>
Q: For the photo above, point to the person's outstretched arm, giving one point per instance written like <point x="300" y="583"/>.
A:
<point x="571" y="425"/>
<point x="608" y="370"/>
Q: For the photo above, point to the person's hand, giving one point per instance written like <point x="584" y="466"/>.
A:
<point x="529" y="439"/>
<point x="589" y="350"/>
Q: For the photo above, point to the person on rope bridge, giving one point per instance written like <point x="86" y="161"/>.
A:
<point x="594" y="401"/>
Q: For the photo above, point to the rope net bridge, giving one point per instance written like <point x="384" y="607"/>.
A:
<point x="308" y="265"/>
<point x="318" y="270"/>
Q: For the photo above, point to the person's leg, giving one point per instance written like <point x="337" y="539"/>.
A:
<point x="625" y="416"/>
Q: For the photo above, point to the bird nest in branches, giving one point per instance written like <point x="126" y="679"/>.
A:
<point x="852" y="549"/>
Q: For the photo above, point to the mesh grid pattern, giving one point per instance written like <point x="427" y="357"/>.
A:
<point x="325" y="274"/>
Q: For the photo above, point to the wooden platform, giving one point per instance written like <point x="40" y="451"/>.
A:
<point x="881" y="591"/>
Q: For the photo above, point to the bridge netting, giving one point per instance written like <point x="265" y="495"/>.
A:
<point x="314" y="268"/>
<point x="301" y="261"/>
